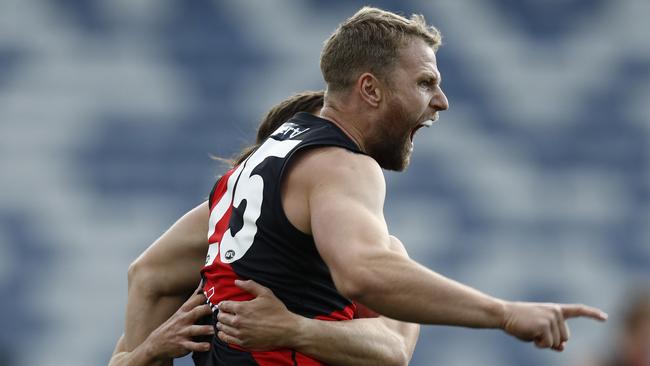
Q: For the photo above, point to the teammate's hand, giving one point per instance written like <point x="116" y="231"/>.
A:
<point x="545" y="324"/>
<point x="173" y="338"/>
<point x="261" y="324"/>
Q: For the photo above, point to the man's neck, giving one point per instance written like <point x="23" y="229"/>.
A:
<point x="346" y="122"/>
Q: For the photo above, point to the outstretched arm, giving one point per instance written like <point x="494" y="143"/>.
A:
<point x="265" y="323"/>
<point x="346" y="196"/>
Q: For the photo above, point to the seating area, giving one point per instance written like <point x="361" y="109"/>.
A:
<point x="535" y="185"/>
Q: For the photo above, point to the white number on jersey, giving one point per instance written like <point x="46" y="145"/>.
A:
<point x="250" y="188"/>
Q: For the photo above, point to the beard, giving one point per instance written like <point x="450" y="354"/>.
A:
<point x="391" y="145"/>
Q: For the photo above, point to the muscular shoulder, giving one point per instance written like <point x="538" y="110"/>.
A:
<point x="343" y="171"/>
<point x="330" y="174"/>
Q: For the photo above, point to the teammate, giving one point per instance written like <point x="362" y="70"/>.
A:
<point x="303" y="215"/>
<point x="160" y="279"/>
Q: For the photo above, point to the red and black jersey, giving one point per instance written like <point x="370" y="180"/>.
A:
<point x="251" y="237"/>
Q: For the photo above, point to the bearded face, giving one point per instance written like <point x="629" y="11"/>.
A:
<point x="391" y="145"/>
<point x="413" y="98"/>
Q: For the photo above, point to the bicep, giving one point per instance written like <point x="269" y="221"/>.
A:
<point x="344" y="228"/>
<point x="347" y="222"/>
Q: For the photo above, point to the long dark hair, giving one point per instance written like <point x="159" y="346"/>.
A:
<point x="307" y="101"/>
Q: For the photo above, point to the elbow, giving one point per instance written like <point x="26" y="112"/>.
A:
<point x="139" y="277"/>
<point x="401" y="357"/>
<point x="398" y="359"/>
<point x="135" y="272"/>
<point x="357" y="284"/>
<point x="350" y="289"/>
<point x="399" y="354"/>
<point x="366" y="278"/>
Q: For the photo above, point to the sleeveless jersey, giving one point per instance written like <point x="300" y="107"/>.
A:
<point x="250" y="237"/>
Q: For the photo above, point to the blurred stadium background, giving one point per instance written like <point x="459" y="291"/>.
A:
<point x="535" y="185"/>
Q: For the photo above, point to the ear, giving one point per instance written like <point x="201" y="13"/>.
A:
<point x="370" y="89"/>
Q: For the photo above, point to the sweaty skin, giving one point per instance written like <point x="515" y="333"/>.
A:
<point x="157" y="330"/>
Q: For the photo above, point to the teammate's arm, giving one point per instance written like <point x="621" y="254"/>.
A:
<point x="172" y="339"/>
<point x="346" y="195"/>
<point x="265" y="323"/>
<point x="138" y="357"/>
<point x="392" y="343"/>
<point x="164" y="275"/>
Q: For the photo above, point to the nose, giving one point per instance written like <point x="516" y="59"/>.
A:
<point x="439" y="101"/>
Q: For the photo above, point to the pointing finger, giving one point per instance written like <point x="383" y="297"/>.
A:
<point x="573" y="311"/>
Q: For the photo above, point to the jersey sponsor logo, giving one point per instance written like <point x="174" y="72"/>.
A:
<point x="244" y="198"/>
<point x="289" y="130"/>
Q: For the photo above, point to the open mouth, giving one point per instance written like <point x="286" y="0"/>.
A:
<point x="426" y="123"/>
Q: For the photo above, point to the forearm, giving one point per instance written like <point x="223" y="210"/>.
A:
<point x="408" y="332"/>
<point x="375" y="341"/>
<point x="165" y="275"/>
<point x="159" y="281"/>
<point x="140" y="356"/>
<point x="145" y="312"/>
<point x="403" y="289"/>
<point x="172" y="339"/>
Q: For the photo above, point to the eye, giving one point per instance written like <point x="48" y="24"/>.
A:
<point x="427" y="83"/>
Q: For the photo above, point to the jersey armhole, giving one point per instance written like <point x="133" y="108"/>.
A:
<point x="214" y="187"/>
<point x="278" y="189"/>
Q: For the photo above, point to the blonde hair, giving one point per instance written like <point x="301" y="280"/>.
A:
<point x="370" y="41"/>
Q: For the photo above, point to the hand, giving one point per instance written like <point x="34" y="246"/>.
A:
<point x="261" y="324"/>
<point x="545" y="324"/>
<point x="173" y="338"/>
